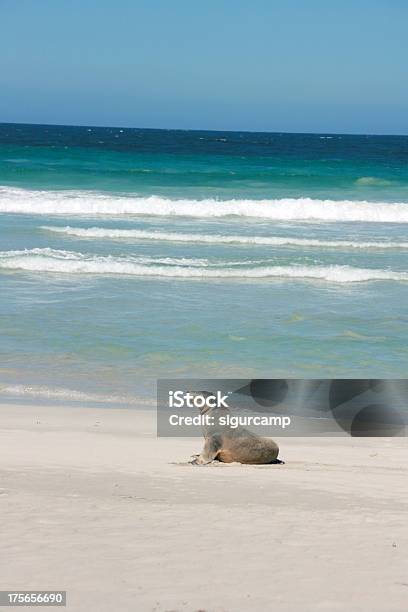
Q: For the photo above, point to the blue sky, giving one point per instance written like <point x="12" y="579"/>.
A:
<point x="289" y="65"/>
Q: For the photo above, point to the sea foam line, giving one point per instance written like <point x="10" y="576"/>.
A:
<point x="65" y="262"/>
<point x="13" y="200"/>
<point x="60" y="254"/>
<point x="59" y="393"/>
<point x="118" y="234"/>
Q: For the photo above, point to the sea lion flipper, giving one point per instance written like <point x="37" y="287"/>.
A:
<point x="201" y="461"/>
<point x="209" y="452"/>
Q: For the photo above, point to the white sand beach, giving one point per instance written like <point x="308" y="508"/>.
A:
<point x="93" y="503"/>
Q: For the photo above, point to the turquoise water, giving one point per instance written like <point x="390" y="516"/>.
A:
<point x="128" y="255"/>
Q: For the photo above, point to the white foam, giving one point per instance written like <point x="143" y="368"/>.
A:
<point x="13" y="200"/>
<point x="65" y="262"/>
<point x="61" y="393"/>
<point x="59" y="254"/>
<point x="118" y="234"/>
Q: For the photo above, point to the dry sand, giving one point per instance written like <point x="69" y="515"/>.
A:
<point x="93" y="503"/>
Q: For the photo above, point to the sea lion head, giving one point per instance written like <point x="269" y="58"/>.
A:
<point x="203" y="394"/>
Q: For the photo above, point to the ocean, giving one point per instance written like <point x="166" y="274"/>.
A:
<point x="127" y="255"/>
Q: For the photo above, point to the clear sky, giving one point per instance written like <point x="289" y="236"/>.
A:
<point x="273" y="65"/>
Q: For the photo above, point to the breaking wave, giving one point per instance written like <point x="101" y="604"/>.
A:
<point x="118" y="234"/>
<point x="66" y="262"/>
<point x="14" y="200"/>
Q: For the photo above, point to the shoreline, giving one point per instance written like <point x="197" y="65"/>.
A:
<point x="94" y="488"/>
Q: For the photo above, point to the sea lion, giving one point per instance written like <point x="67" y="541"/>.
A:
<point x="228" y="445"/>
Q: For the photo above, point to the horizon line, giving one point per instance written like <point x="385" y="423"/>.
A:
<point x="126" y="127"/>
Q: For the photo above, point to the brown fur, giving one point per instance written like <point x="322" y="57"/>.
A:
<point x="222" y="443"/>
